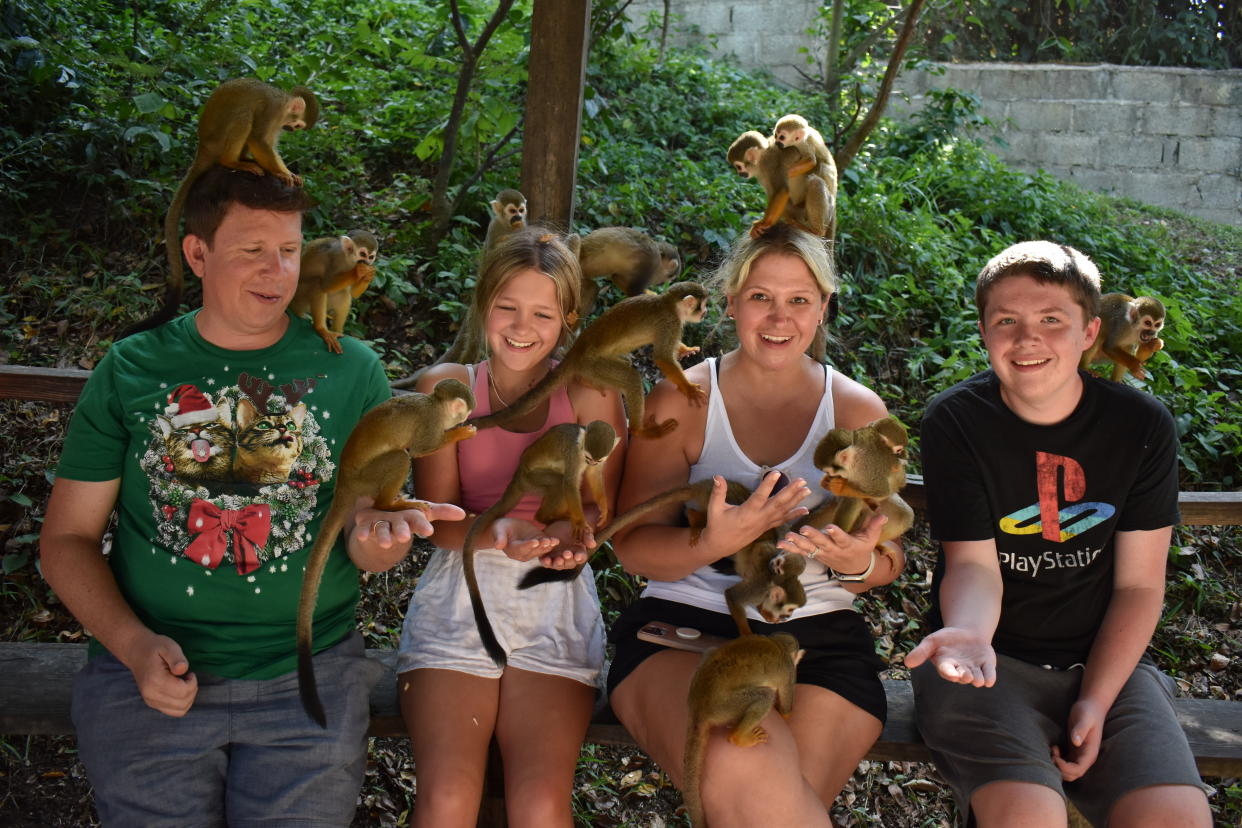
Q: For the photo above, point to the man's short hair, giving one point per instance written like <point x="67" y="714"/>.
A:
<point x="219" y="188"/>
<point x="1046" y="263"/>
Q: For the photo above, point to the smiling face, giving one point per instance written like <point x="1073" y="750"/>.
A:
<point x="524" y="322"/>
<point x="249" y="274"/>
<point x="1035" y="335"/>
<point x="778" y="308"/>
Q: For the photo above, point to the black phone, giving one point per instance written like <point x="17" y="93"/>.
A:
<point x="680" y="638"/>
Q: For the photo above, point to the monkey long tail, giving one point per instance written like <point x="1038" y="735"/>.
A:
<point x="490" y="643"/>
<point x="692" y="771"/>
<point x="526" y="403"/>
<point x="175" y="283"/>
<point x="333" y="522"/>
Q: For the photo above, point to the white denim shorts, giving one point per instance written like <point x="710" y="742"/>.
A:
<point x="554" y="628"/>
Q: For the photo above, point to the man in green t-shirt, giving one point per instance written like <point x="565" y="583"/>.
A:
<point x="215" y="437"/>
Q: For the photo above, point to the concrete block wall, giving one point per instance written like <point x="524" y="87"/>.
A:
<point x="1169" y="137"/>
<point x="763" y="34"/>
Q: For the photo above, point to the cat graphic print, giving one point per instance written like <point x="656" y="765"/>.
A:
<point x="235" y="473"/>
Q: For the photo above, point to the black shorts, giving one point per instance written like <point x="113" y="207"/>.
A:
<point x="840" y="655"/>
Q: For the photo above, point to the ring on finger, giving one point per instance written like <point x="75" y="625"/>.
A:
<point x="376" y="525"/>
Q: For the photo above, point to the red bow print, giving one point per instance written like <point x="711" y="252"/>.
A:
<point x="251" y="527"/>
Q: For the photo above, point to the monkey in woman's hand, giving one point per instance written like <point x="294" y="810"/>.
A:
<point x="600" y="356"/>
<point x="553" y="467"/>
<point x="769" y="576"/>
<point x="375" y="463"/>
<point x="242" y="116"/>
<point x="864" y="468"/>
<point x="736" y="686"/>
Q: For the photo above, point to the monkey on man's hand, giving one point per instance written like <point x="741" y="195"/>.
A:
<point x="554" y="467"/>
<point x="242" y="116"/>
<point x="375" y="463"/>
<point x="736" y="686"/>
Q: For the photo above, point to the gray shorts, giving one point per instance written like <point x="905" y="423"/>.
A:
<point x="979" y="735"/>
<point x="245" y="755"/>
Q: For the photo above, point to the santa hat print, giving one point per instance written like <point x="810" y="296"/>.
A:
<point x="188" y="406"/>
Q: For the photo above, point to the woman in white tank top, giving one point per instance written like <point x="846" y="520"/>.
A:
<point x="768" y="406"/>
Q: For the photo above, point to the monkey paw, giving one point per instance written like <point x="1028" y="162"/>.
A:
<point x="755" y="736"/>
<point x="651" y="429"/>
<point x="759" y="228"/>
<point x="695" y="394"/>
<point x="684" y="350"/>
<point x="330" y="339"/>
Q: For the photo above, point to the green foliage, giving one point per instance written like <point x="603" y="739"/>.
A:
<point x="1205" y="34"/>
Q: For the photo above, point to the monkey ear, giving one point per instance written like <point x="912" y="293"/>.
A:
<point x="893" y="433"/>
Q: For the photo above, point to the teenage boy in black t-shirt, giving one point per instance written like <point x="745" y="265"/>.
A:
<point x="1053" y="494"/>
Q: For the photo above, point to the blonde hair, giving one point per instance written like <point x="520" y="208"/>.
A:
<point x="779" y="238"/>
<point x="532" y="248"/>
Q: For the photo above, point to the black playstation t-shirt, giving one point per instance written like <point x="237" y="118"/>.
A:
<point x="1052" y="497"/>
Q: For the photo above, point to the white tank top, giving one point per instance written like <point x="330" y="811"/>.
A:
<point x="704" y="588"/>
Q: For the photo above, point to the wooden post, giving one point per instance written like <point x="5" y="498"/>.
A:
<point x="558" y="51"/>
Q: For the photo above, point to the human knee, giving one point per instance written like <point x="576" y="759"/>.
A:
<point x="1018" y="805"/>
<point x="1162" y="806"/>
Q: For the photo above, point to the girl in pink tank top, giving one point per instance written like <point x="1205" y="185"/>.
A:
<point x="453" y="696"/>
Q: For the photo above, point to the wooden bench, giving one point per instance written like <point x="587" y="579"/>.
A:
<point x="35" y="677"/>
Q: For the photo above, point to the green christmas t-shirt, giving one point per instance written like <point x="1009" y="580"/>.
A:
<point x="227" y="463"/>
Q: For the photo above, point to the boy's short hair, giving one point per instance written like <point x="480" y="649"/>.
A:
<point x="219" y="188"/>
<point x="1046" y="263"/>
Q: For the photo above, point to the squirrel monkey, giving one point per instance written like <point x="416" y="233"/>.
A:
<point x="1129" y="334"/>
<point x="629" y="257"/>
<point x="769" y="576"/>
<point x="554" y="467"/>
<point x="753" y="156"/>
<point x="242" y="115"/>
<point x="864" y="468"/>
<point x="599" y="356"/>
<point x="508" y="216"/>
<point x="816" y="192"/>
<point x="735" y="686"/>
<point x="375" y="462"/>
<point x="334" y="271"/>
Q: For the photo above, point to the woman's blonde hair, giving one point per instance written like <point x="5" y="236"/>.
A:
<point x="779" y="238"/>
<point x="533" y="248"/>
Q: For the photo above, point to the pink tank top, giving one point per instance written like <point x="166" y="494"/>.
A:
<point x="486" y="462"/>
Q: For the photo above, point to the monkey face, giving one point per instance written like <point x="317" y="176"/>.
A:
<point x="249" y="274"/>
